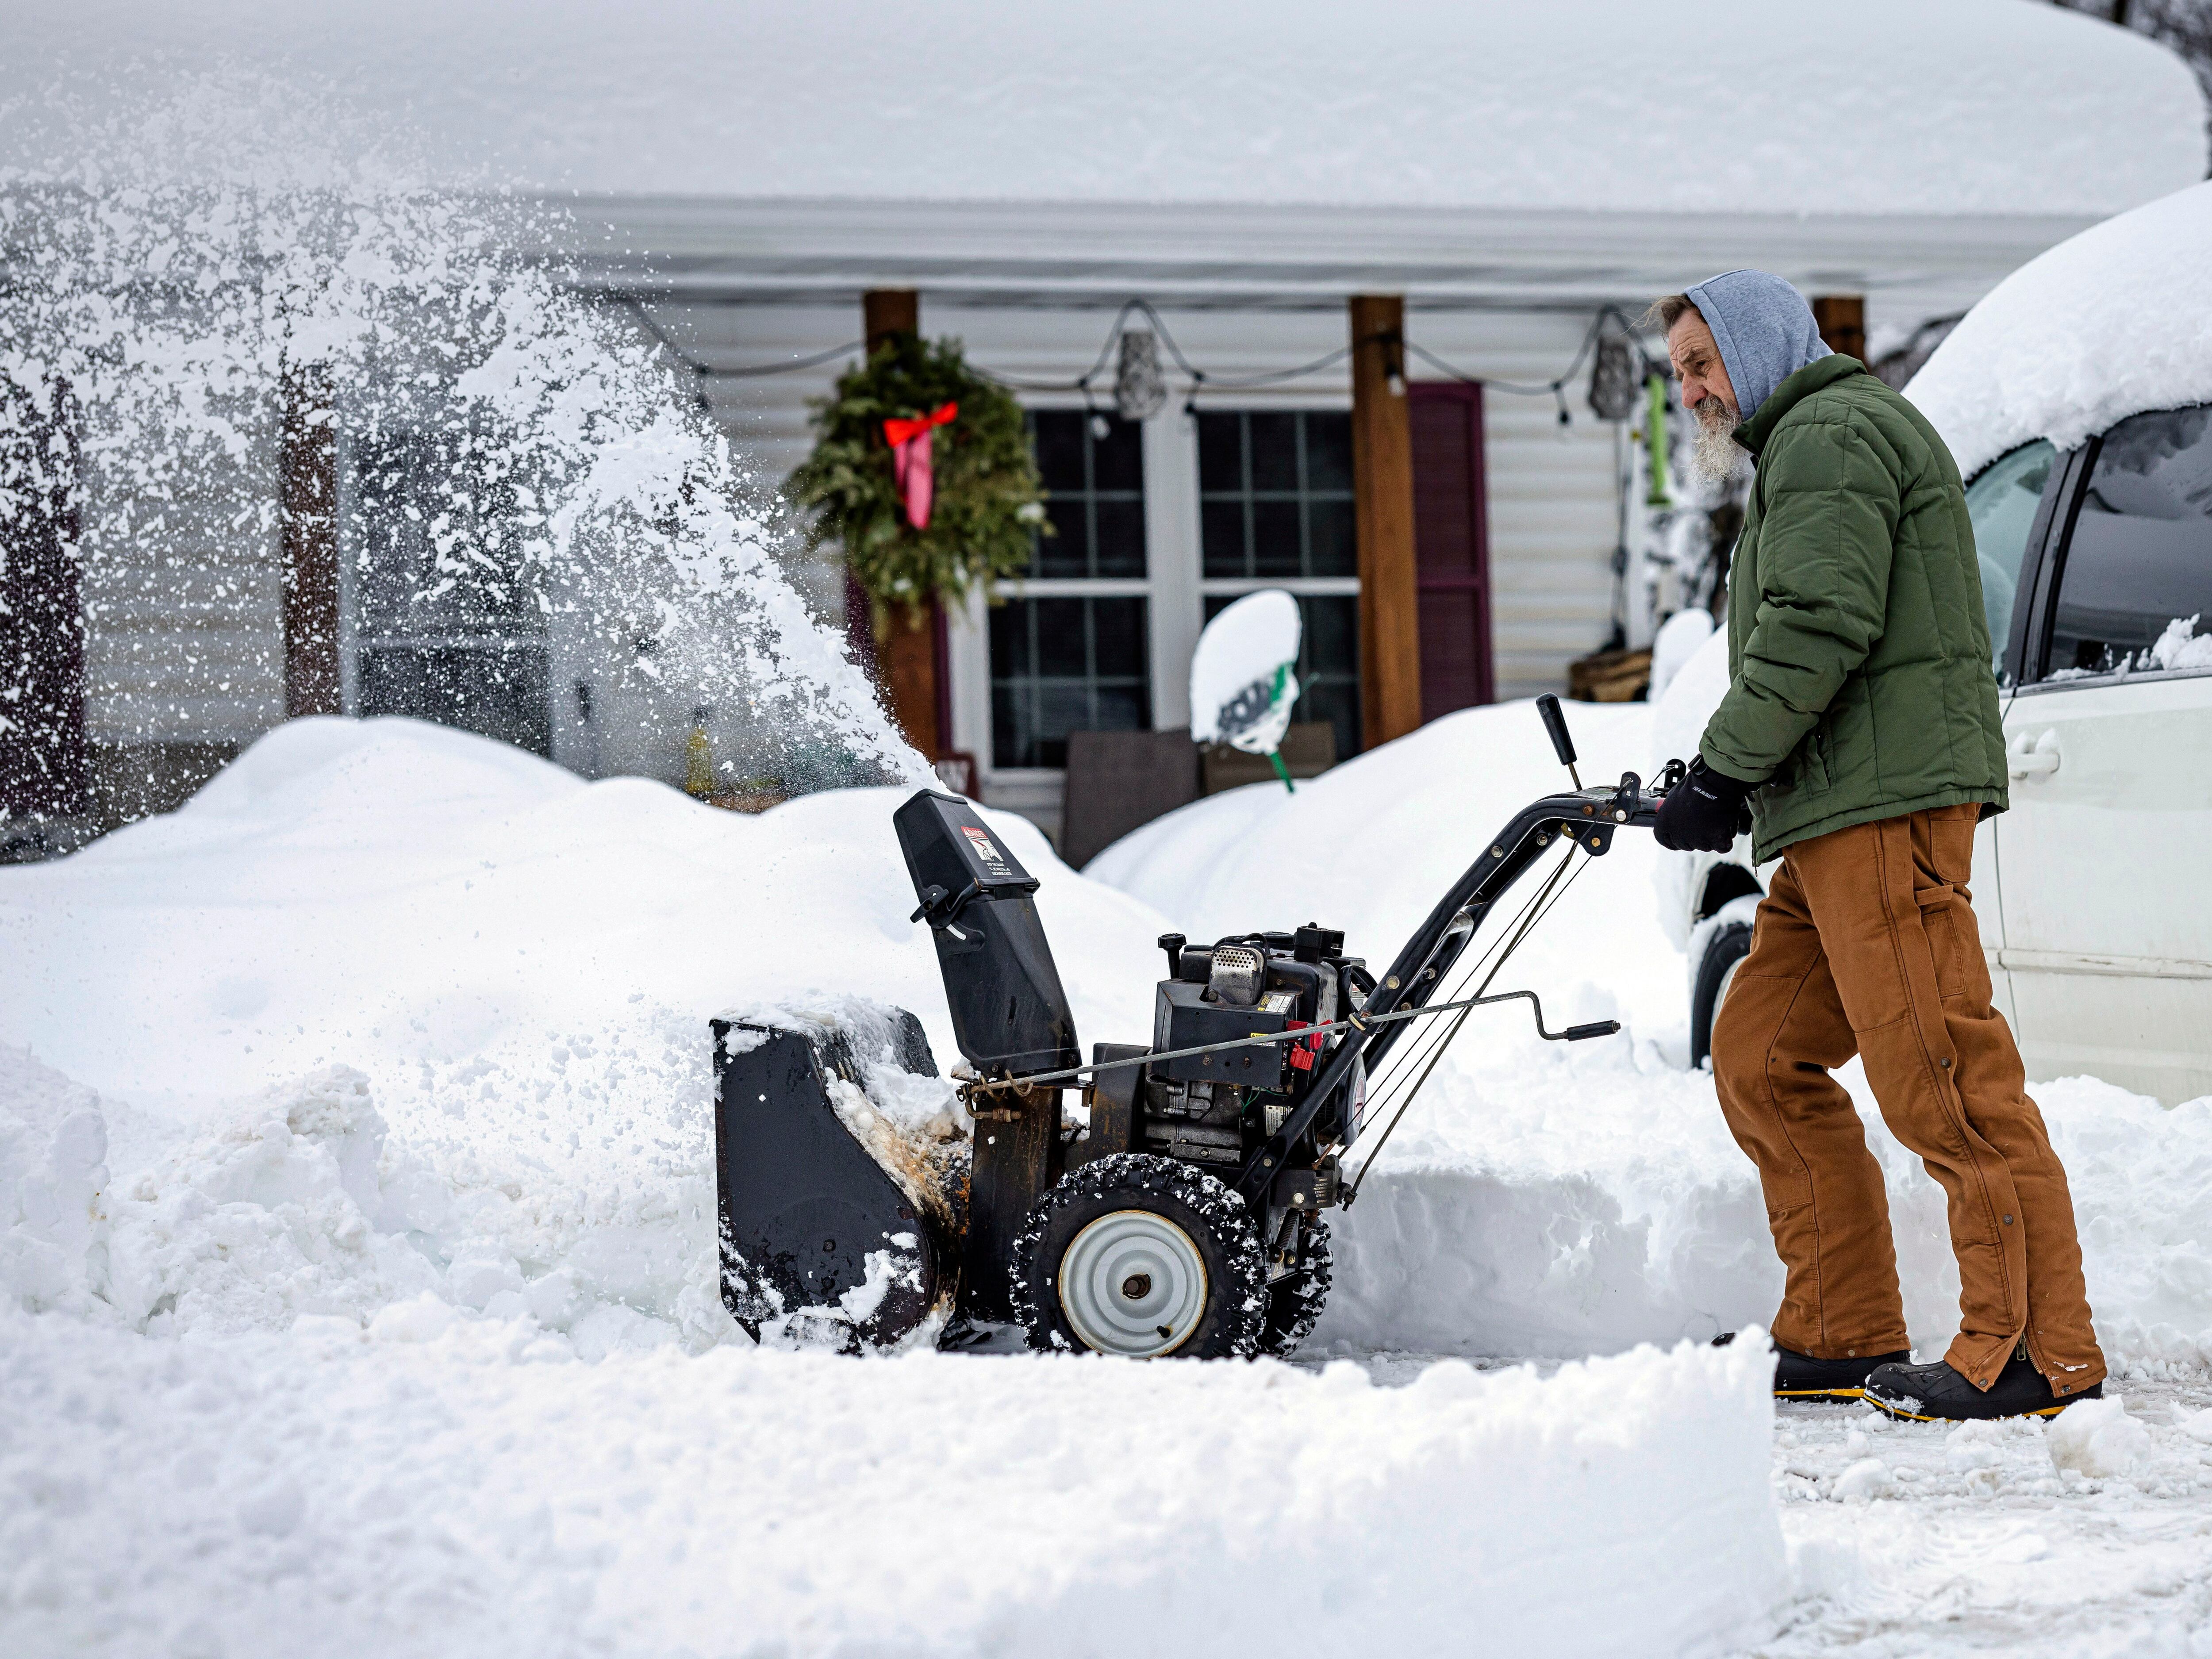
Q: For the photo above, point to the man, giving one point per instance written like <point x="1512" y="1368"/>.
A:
<point x="1861" y="731"/>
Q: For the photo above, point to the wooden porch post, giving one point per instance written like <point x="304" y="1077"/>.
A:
<point x="1841" y="318"/>
<point x="907" y="656"/>
<point x="1383" y="488"/>
<point x="307" y="487"/>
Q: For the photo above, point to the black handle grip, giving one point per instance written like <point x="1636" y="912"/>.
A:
<point x="1555" y="722"/>
<point x="1595" y="1029"/>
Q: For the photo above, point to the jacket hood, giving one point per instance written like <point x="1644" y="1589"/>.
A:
<point x="1764" y="329"/>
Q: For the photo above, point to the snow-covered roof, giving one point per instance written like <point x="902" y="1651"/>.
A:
<point x="1969" y="107"/>
<point x="2110" y="323"/>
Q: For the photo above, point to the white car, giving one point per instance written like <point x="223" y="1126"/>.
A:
<point x="2090" y="441"/>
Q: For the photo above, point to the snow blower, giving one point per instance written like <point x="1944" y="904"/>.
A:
<point x="1186" y="1210"/>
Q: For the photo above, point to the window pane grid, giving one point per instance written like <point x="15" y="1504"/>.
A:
<point x="1062" y="664"/>
<point x="1095" y="490"/>
<point x="1275" y="495"/>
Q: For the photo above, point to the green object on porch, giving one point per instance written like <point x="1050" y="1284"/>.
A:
<point x="1281" y="770"/>
<point x="1655" y="439"/>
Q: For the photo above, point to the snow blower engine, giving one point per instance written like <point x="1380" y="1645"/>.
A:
<point x="1186" y="1209"/>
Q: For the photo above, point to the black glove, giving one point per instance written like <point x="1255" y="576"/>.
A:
<point x="1703" y="813"/>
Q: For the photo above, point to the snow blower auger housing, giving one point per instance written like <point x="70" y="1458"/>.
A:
<point x="1186" y="1213"/>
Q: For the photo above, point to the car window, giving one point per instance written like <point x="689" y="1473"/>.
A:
<point x="2135" y="587"/>
<point x="2001" y="502"/>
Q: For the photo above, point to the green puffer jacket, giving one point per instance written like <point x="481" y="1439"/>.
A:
<point x="1860" y="685"/>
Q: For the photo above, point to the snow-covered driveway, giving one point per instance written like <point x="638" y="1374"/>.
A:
<point x="1911" y="1538"/>
<point x="356" y="1237"/>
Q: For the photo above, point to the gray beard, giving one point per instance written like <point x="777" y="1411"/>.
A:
<point x="1715" y="458"/>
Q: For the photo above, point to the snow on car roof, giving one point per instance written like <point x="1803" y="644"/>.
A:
<point x="1973" y="107"/>
<point x="2110" y="323"/>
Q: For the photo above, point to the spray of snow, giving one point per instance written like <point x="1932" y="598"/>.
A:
<point x="238" y="270"/>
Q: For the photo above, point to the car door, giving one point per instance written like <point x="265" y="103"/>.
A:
<point x="2105" y="892"/>
<point x="2010" y="503"/>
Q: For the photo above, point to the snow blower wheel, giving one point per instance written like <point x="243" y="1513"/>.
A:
<point x="1142" y="1257"/>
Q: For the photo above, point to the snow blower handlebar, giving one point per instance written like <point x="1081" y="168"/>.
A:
<point x="1589" y="819"/>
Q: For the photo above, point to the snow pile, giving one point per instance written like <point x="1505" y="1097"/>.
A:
<point x="1980" y="106"/>
<point x="341" y="1494"/>
<point x="2113" y="322"/>
<point x="2180" y="646"/>
<point x="390" y="1009"/>
<point x="1563" y="1200"/>
<point x="2098" y="1440"/>
<point x="53" y="1145"/>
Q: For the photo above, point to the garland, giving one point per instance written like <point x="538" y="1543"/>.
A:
<point x="989" y="502"/>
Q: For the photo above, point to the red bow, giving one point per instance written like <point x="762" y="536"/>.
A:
<point x="905" y="432"/>
<point x="911" y="469"/>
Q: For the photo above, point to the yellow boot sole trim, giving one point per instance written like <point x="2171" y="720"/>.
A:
<point x="1820" y="1393"/>
<point x="1904" y="1416"/>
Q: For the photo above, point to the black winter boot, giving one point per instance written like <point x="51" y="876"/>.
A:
<point x="1938" y="1394"/>
<point x="1801" y="1376"/>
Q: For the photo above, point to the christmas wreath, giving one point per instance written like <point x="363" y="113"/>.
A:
<point x="921" y="470"/>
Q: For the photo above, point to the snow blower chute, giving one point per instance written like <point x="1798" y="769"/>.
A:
<point x="1185" y="1211"/>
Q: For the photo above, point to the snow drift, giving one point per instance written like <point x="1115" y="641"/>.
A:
<point x="360" y="1495"/>
<point x="389" y="1007"/>
<point x="399" y="1038"/>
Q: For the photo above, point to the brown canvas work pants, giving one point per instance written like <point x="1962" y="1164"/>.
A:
<point x="1866" y="944"/>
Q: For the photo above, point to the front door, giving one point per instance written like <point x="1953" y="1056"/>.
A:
<point x="2107" y="912"/>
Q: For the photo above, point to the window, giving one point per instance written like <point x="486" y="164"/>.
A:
<point x="446" y="625"/>
<point x="1066" y="665"/>
<point x="1070" y="651"/>
<point x="2002" y="503"/>
<point x="1275" y="493"/>
<point x="1096" y="502"/>
<point x="1275" y="511"/>
<point x="2135" y="586"/>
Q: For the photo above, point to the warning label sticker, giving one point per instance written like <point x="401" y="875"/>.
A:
<point x="994" y="863"/>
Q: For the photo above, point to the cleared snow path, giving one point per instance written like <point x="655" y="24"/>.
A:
<point x="1911" y="1540"/>
<point x="2091" y="1537"/>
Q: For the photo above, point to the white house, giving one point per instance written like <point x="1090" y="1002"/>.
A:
<point x="739" y="178"/>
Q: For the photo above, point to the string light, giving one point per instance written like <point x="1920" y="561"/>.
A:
<point x="1140" y="384"/>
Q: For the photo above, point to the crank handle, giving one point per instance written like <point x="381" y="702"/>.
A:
<point x="1573" y="1033"/>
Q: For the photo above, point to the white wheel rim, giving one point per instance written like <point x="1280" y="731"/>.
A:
<point x="1132" y="1284"/>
